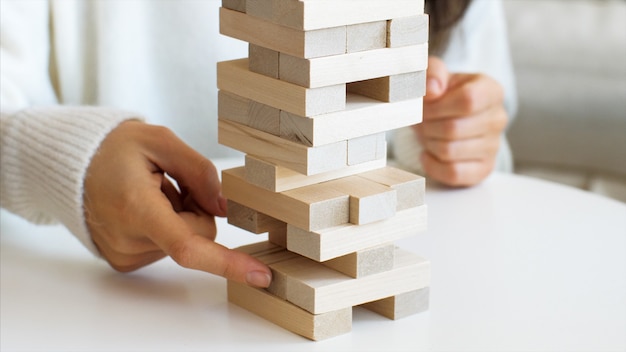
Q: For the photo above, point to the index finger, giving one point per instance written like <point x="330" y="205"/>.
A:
<point x="467" y="94"/>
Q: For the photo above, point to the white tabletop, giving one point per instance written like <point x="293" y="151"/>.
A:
<point x="517" y="264"/>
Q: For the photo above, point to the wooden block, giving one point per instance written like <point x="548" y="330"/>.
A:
<point x="311" y="207"/>
<point x="366" y="148"/>
<point x="276" y="178"/>
<point x="392" y="88"/>
<point x="237" y="5"/>
<point x="299" y="43"/>
<point x="410" y="187"/>
<point x="289" y="316"/>
<point x="352" y="67"/>
<point x="259" y="248"/>
<point x="329" y="243"/>
<point x="252" y="220"/>
<point x="305" y="160"/>
<point x="318" y="289"/>
<point x="247" y="112"/>
<point x="409" y="30"/>
<point x="366" y="36"/>
<point x="278" y="237"/>
<point x="369" y="201"/>
<point x="315" y="14"/>
<point x="402" y="305"/>
<point x="365" y="262"/>
<point x="363" y="116"/>
<point x="235" y="77"/>
<point x="263" y="60"/>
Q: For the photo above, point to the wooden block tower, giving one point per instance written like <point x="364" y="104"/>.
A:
<point x="311" y="105"/>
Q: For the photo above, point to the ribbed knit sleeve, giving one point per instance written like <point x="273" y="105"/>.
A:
<point x="44" y="156"/>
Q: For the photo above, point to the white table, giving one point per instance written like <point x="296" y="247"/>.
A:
<point x="517" y="264"/>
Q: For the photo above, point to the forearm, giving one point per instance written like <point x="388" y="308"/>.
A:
<point x="44" y="155"/>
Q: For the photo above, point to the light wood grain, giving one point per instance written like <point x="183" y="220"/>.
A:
<point x="305" y="44"/>
<point x="402" y="305"/>
<point x="364" y="262"/>
<point x="305" y="160"/>
<point x="352" y="67"/>
<point x="237" y="5"/>
<point x="311" y="207"/>
<point x="277" y="178"/>
<point x="263" y="60"/>
<point x="408" y="30"/>
<point x="289" y="316"/>
<point x="366" y="148"/>
<point x="410" y="187"/>
<point x="329" y="243"/>
<point x="251" y="220"/>
<point x="315" y="14"/>
<point x="235" y="77"/>
<point x="392" y="88"/>
<point x="362" y="116"/>
<point x="366" y="36"/>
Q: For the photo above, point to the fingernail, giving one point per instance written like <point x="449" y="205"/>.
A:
<point x="258" y="279"/>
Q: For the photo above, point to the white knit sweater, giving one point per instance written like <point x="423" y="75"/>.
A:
<point x="72" y="70"/>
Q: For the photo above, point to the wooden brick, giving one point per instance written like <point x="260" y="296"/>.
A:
<point x="305" y="160"/>
<point x="252" y="220"/>
<point x="366" y="148"/>
<point x="263" y="60"/>
<point x="237" y="5"/>
<point x="305" y="44"/>
<point x="366" y="36"/>
<point x="289" y="316"/>
<point x="313" y="207"/>
<point x="363" y="116"/>
<point x="315" y="14"/>
<point x="369" y="201"/>
<point x="410" y="187"/>
<point x="325" y="244"/>
<point x="365" y="262"/>
<point x="276" y="178"/>
<point x="394" y="88"/>
<point x="278" y="237"/>
<point x="409" y="30"/>
<point x="244" y="111"/>
<point x="235" y="77"/>
<point x="352" y="67"/>
<point x="318" y="289"/>
<point x="402" y="305"/>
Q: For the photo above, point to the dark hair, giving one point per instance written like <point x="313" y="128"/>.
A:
<point x="444" y="14"/>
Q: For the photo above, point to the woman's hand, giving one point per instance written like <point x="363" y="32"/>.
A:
<point x="464" y="118"/>
<point x="137" y="216"/>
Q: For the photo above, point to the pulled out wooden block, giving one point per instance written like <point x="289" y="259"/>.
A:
<point x="365" y="262"/>
<point x="235" y="77"/>
<point x="318" y="289"/>
<point x="392" y="88"/>
<point x="366" y="148"/>
<point x="369" y="201"/>
<point x="263" y="60"/>
<point x="237" y="5"/>
<point x="402" y="305"/>
<point x="289" y="316"/>
<point x="249" y="113"/>
<point x="309" y="44"/>
<point x="366" y="36"/>
<point x="312" y="207"/>
<point x="252" y="220"/>
<point x="363" y="116"/>
<point x="410" y="187"/>
<point x="410" y="30"/>
<point x="325" y="244"/>
<point x="315" y="14"/>
<point x="352" y="67"/>
<point x="295" y="156"/>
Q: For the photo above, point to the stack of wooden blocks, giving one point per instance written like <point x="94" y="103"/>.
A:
<point x="324" y="81"/>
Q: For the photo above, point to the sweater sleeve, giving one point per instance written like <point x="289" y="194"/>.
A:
<point x="45" y="147"/>
<point x="479" y="44"/>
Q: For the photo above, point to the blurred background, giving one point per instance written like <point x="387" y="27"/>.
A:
<point x="570" y="63"/>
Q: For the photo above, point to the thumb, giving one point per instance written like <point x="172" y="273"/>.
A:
<point x="437" y="77"/>
<point x="194" y="173"/>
